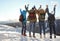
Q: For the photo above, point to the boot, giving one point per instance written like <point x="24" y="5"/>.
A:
<point x="29" y="35"/>
<point x="34" y="36"/>
<point x="40" y="36"/>
<point x="44" y="36"/>
<point x="50" y="36"/>
<point x="25" y="34"/>
<point x="22" y="34"/>
<point x="54" y="36"/>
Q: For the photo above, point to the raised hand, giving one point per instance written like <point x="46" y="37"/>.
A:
<point x="54" y="9"/>
<point x="54" y="5"/>
<point x="26" y="7"/>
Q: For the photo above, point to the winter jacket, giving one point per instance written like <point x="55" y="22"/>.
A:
<point x="24" y="15"/>
<point x="51" y="19"/>
<point x="41" y="15"/>
<point x="32" y="16"/>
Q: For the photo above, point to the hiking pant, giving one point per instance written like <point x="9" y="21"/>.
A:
<point x="23" y="28"/>
<point x="42" y="26"/>
<point x="52" y="27"/>
<point x="32" y="28"/>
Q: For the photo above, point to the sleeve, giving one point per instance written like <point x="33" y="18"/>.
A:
<point x="20" y="11"/>
<point x="54" y="9"/>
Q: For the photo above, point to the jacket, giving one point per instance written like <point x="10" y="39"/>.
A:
<point x="41" y="15"/>
<point x="32" y="16"/>
<point x="24" y="15"/>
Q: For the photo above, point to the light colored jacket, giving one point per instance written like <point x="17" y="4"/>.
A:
<point x="31" y="19"/>
<point x="41" y="14"/>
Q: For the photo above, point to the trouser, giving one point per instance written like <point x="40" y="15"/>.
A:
<point x="52" y="27"/>
<point x="32" y="28"/>
<point x="42" y="26"/>
<point x="23" y="28"/>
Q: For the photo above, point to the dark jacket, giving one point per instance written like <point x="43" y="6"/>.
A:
<point x="51" y="18"/>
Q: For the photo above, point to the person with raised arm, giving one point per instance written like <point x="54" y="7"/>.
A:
<point x="23" y="21"/>
<point x="32" y="19"/>
<point x="41" y="18"/>
<point x="51" y="22"/>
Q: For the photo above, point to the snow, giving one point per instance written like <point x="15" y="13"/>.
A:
<point x="8" y="33"/>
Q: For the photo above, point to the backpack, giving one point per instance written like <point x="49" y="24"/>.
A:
<point x="21" y="18"/>
<point x="32" y="15"/>
<point x="51" y="18"/>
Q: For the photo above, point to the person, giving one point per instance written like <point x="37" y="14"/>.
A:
<point x="51" y="20"/>
<point x="41" y="17"/>
<point x="32" y="19"/>
<point x="23" y="13"/>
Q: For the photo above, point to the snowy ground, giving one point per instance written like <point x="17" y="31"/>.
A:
<point x="8" y="33"/>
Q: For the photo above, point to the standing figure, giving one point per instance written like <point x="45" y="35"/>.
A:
<point x="23" y="21"/>
<point x="41" y="17"/>
<point x="51" y="21"/>
<point x="32" y="19"/>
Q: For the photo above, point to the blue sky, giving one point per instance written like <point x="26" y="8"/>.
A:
<point x="9" y="9"/>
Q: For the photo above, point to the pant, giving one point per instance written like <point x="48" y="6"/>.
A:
<point x="42" y="26"/>
<point x="52" y="27"/>
<point x="32" y="27"/>
<point x="23" y="28"/>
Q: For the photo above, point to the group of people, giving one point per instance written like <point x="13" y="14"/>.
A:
<point x="41" y="17"/>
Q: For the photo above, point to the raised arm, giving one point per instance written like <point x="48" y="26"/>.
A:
<point x="20" y="11"/>
<point x="54" y="9"/>
<point x="26" y="7"/>
<point x="40" y="7"/>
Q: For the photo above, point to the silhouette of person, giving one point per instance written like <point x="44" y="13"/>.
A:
<point x="51" y="21"/>
<point x="41" y="17"/>
<point x="23" y="12"/>
<point x="32" y="19"/>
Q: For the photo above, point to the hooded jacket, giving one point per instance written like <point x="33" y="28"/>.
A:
<point x="24" y="15"/>
<point x="41" y="15"/>
<point x="32" y="16"/>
